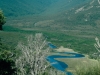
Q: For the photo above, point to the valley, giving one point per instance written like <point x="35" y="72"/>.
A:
<point x="78" y="27"/>
<point x="75" y="26"/>
<point x="70" y="25"/>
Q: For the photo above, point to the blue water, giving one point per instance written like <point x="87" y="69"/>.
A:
<point x="58" y="64"/>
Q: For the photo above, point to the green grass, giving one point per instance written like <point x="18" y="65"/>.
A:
<point x="82" y="66"/>
<point x="12" y="36"/>
<point x="88" y="69"/>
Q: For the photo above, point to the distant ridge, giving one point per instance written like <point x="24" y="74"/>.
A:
<point x="24" y="7"/>
<point x="35" y="7"/>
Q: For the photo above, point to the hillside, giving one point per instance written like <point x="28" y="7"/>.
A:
<point x="81" y="20"/>
<point x="77" y="27"/>
<point x="87" y="14"/>
<point x="24" y="7"/>
<point x="64" y="5"/>
<point x="36" y="7"/>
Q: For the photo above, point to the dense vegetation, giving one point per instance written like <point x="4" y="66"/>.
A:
<point x="7" y="64"/>
<point x="2" y="19"/>
<point x="7" y="67"/>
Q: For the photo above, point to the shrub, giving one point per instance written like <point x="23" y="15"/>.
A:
<point x="88" y="69"/>
<point x="7" y="67"/>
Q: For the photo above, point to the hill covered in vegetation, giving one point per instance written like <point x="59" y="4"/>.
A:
<point x="76" y="26"/>
<point x="33" y="7"/>
<point x="24" y="7"/>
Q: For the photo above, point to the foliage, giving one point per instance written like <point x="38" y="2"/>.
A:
<point x="7" y="67"/>
<point x="7" y="64"/>
<point x="2" y="19"/>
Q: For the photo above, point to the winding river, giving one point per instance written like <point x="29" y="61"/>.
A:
<point x="59" y="65"/>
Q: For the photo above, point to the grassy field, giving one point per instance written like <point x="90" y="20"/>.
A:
<point x="12" y="36"/>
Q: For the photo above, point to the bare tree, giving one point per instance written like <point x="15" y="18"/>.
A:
<point x="97" y="44"/>
<point x="32" y="60"/>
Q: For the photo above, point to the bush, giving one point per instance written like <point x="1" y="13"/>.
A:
<point x="2" y="19"/>
<point x="7" y="67"/>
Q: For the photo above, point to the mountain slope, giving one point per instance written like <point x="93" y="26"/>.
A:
<point x="82" y="20"/>
<point x="86" y="14"/>
<point x="73" y="14"/>
<point x="24" y="7"/>
<point x="63" y="5"/>
<point x="30" y="7"/>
